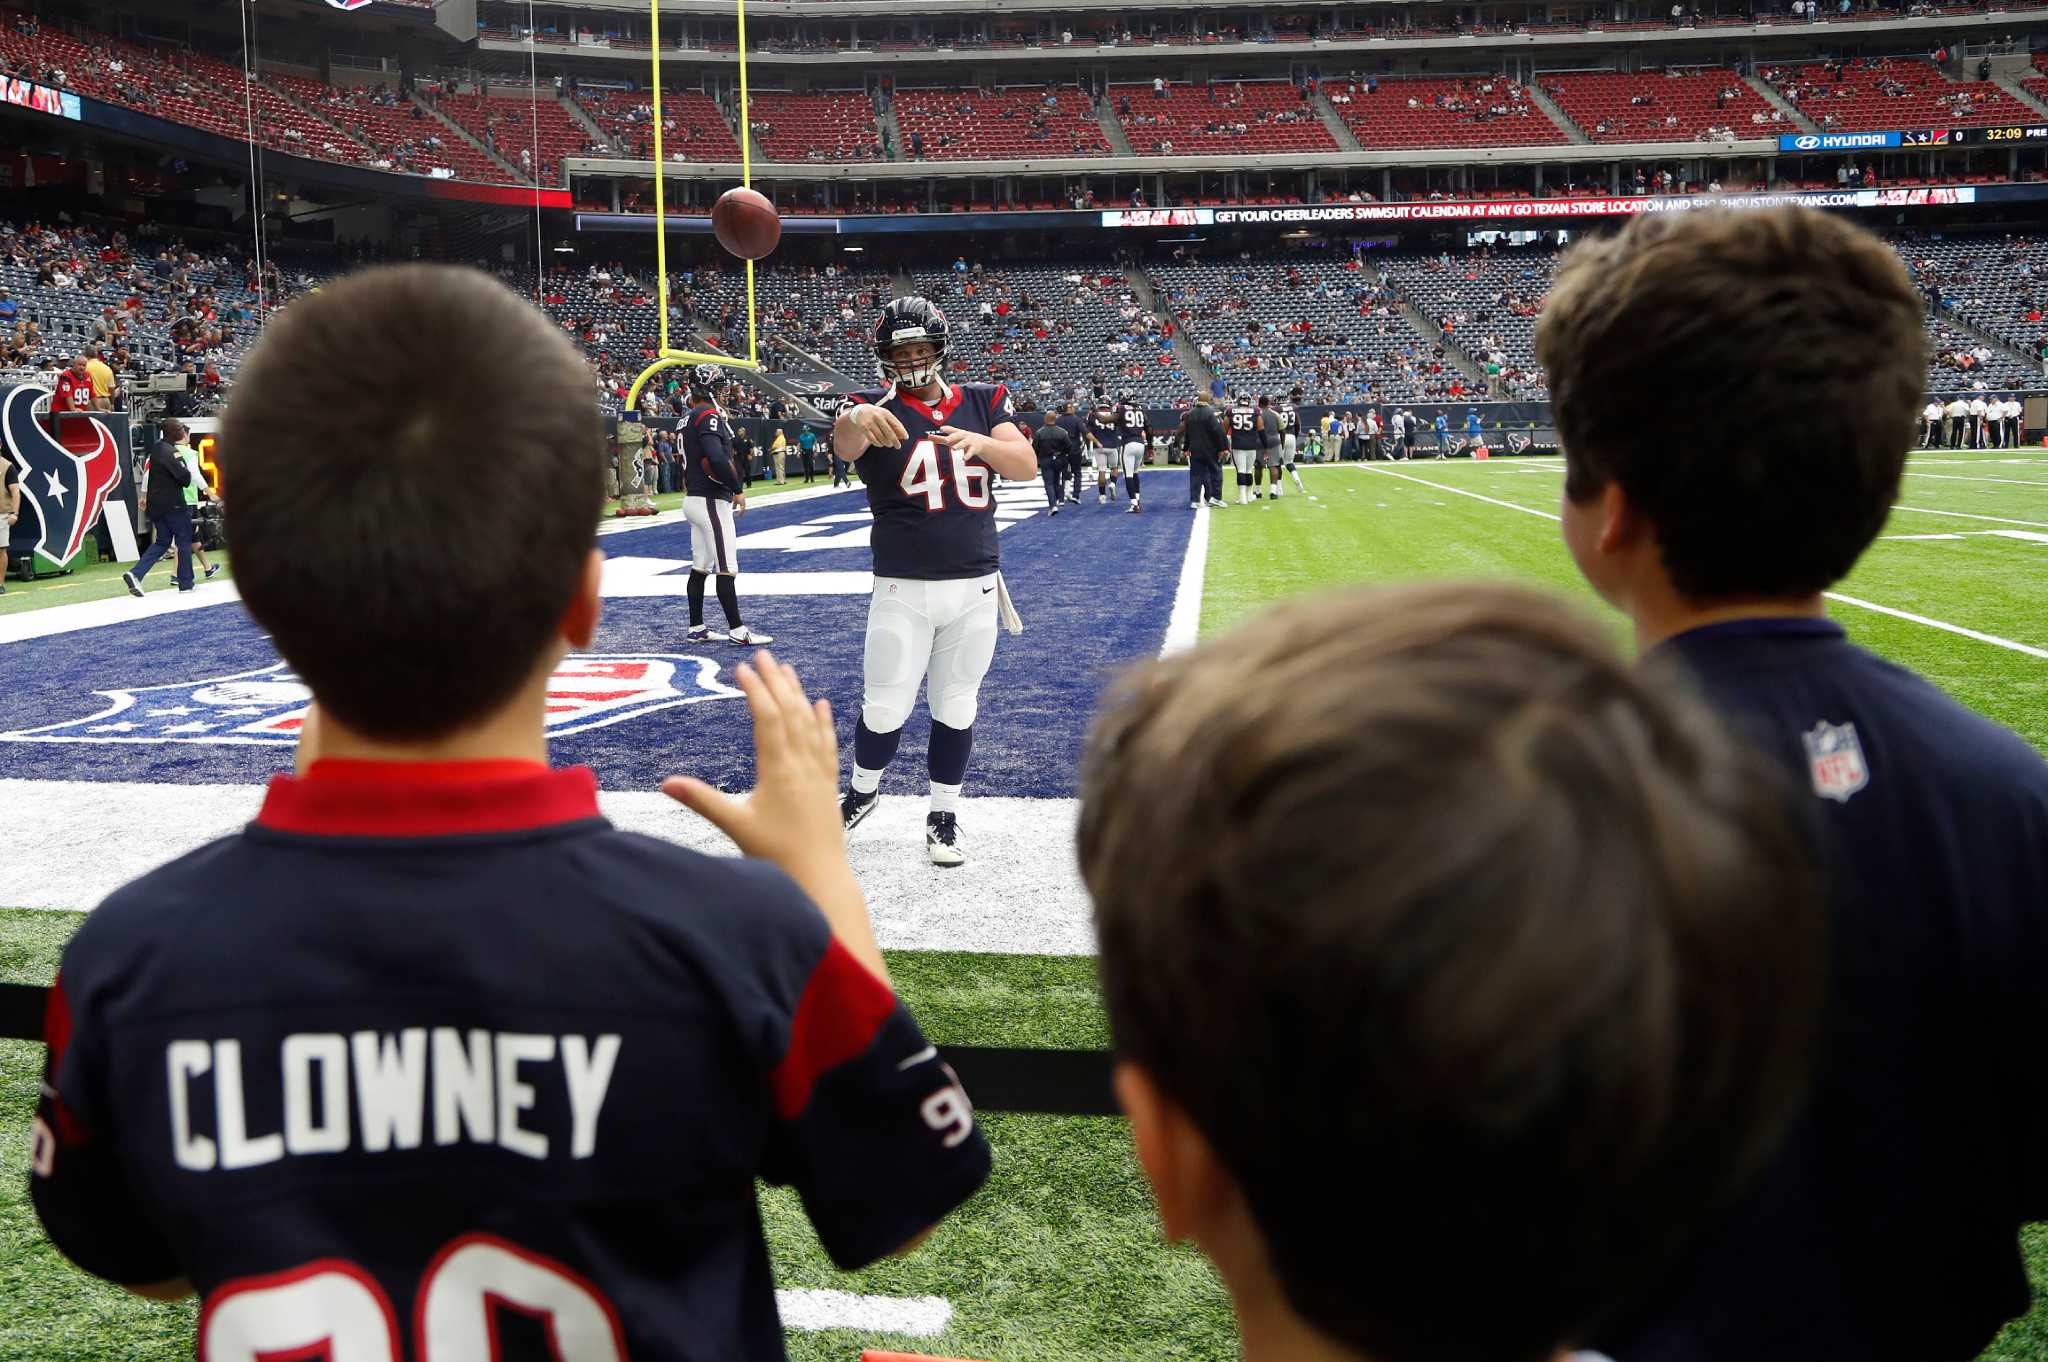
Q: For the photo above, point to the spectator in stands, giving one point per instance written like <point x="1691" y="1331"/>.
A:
<point x="1934" y="979"/>
<point x="1564" y="1034"/>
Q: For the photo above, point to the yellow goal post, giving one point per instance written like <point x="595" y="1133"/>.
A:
<point x="666" y="356"/>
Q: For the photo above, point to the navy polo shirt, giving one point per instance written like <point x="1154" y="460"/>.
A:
<point x="436" y="1051"/>
<point x="1887" y="1226"/>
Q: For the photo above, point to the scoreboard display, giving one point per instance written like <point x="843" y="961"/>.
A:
<point x="2006" y="133"/>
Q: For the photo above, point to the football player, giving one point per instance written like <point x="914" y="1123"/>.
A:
<point x="1104" y="435"/>
<point x="711" y="498"/>
<point x="1269" y="451"/>
<point x="925" y="449"/>
<point x="1290" y="442"/>
<point x="1244" y="444"/>
<point x="1136" y="427"/>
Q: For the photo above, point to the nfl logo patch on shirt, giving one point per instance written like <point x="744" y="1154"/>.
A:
<point x="1835" y="757"/>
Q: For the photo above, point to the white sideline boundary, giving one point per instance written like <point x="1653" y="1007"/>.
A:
<point x="1185" y="623"/>
<point x="1994" y="640"/>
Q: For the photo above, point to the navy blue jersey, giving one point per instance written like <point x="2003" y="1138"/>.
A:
<point x="1103" y="426"/>
<point x="1136" y="425"/>
<point x="1887" y="1226"/>
<point x="440" y="1043"/>
<point x="935" y="509"/>
<point x="708" y="469"/>
<point x="1243" y="420"/>
<point x="1290" y="419"/>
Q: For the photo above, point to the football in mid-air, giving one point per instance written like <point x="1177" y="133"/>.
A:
<point x="745" y="223"/>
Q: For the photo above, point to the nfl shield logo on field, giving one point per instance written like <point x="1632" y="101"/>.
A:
<point x="268" y="705"/>
<point x="1835" y="757"/>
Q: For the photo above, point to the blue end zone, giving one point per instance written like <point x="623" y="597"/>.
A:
<point x="1094" y="586"/>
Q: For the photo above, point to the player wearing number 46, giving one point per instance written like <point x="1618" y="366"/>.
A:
<point x="925" y="449"/>
<point x="430" y="1040"/>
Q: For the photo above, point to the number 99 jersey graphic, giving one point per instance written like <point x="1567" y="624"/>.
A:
<point x="934" y="507"/>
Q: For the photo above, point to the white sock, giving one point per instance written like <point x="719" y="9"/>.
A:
<point x="865" y="781"/>
<point x="945" y="798"/>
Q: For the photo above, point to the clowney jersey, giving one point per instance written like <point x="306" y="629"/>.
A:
<point x="1102" y="424"/>
<point x="1136" y="426"/>
<point x="708" y="469"/>
<point x="1244" y="427"/>
<point x="440" y="1044"/>
<point x="934" y="509"/>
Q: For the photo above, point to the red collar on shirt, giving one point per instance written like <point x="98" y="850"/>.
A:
<point x="343" y="798"/>
<point x="937" y="415"/>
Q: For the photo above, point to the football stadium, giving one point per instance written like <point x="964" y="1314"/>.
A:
<point x="1255" y="342"/>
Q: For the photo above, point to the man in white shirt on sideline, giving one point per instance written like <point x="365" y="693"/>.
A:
<point x="2014" y="413"/>
<point x="1958" y="412"/>
<point x="1977" y="432"/>
<point x="1930" y="425"/>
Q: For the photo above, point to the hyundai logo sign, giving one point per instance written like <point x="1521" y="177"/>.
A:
<point x="1806" y="143"/>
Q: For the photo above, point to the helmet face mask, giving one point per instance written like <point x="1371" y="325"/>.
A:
<point x="908" y="322"/>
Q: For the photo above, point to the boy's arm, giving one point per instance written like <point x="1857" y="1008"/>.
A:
<point x="792" y="817"/>
<point x="81" y="1193"/>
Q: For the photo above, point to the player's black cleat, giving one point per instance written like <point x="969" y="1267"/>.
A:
<point x="854" y="806"/>
<point x="942" y="839"/>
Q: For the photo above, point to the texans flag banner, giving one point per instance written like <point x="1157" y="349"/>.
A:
<point x="62" y="489"/>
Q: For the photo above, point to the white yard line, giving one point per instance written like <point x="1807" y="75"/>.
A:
<point x="1965" y="477"/>
<point x="1965" y="515"/>
<point x="1944" y="625"/>
<point x="1992" y="639"/>
<point x="1460" y="491"/>
<point x="813" y="1310"/>
<point x="1185" y="622"/>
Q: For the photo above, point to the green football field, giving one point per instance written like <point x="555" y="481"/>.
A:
<point x="1058" y="1258"/>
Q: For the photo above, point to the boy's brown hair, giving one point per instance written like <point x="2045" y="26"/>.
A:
<point x="1487" y="966"/>
<point x="410" y="601"/>
<point x="1751" y="380"/>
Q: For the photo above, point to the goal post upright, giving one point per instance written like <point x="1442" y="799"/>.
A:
<point x="666" y="355"/>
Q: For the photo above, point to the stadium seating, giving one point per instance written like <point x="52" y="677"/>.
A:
<point x="405" y="136"/>
<point x="1891" y="93"/>
<point x="694" y="128"/>
<point x="514" y="125"/>
<point x="1017" y="124"/>
<point x="1441" y="113"/>
<point x="1326" y="325"/>
<point x="1662" y="106"/>
<point x="1188" y="119"/>
<point x="1046" y="330"/>
<point x="838" y="126"/>
<point x="1483" y="304"/>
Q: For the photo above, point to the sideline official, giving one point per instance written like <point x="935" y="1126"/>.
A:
<point x="170" y="519"/>
<point x="1205" y="442"/>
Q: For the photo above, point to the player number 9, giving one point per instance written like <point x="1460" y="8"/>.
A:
<point x="949" y="1111"/>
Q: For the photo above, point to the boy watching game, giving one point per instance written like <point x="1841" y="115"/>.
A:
<point x="1887" y="1227"/>
<point x="1441" y="1076"/>
<point x="430" y="1041"/>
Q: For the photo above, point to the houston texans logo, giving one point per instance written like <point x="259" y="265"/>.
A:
<point x="65" y="488"/>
